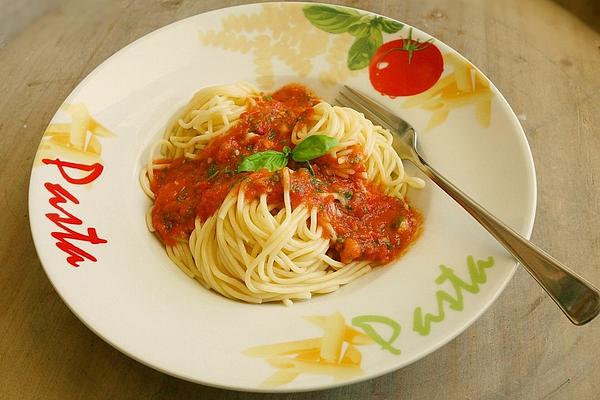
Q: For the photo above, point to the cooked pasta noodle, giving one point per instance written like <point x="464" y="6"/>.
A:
<point x="257" y="245"/>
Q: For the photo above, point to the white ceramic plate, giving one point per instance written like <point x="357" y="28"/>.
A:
<point x="127" y="290"/>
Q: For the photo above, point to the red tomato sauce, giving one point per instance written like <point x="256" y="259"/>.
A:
<point x="189" y="188"/>
<point x="368" y="224"/>
<point x="265" y="182"/>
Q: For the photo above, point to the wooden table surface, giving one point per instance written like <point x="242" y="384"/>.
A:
<point x="543" y="59"/>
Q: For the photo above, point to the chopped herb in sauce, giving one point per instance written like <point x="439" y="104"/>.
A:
<point x="213" y="170"/>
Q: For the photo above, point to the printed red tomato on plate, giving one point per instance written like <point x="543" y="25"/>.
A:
<point x="405" y="67"/>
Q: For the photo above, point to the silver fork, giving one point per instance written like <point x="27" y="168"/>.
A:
<point x="576" y="297"/>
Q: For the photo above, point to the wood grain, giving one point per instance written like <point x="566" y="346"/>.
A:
<point x="543" y="59"/>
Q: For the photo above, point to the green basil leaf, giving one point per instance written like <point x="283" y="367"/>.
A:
<point x="389" y="26"/>
<point x="331" y="19"/>
<point x="362" y="50"/>
<point x="313" y="146"/>
<point x="360" y="30"/>
<point x="270" y="160"/>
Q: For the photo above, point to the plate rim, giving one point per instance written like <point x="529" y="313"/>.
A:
<point x="529" y="219"/>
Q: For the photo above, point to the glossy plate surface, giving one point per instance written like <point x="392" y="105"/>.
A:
<point x="87" y="208"/>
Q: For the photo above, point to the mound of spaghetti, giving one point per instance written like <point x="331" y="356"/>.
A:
<point x="275" y="197"/>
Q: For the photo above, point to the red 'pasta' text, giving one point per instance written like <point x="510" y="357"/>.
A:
<point x="75" y="174"/>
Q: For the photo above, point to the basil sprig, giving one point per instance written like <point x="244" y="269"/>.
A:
<point x="313" y="146"/>
<point x="367" y="30"/>
<point x="310" y="148"/>
<point x="270" y="160"/>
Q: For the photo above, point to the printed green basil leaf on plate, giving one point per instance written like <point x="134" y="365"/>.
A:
<point x="313" y="146"/>
<point x="331" y="19"/>
<point x="389" y="26"/>
<point x="361" y="29"/>
<point x="363" y="49"/>
<point x="270" y="160"/>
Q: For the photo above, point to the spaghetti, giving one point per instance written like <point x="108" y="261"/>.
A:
<point x="276" y="197"/>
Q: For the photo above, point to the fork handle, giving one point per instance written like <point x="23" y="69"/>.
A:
<point x="576" y="297"/>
